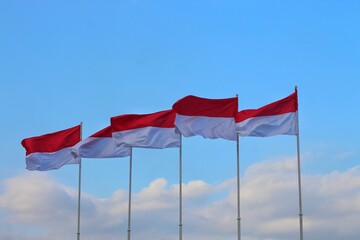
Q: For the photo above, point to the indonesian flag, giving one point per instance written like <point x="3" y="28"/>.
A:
<point x="53" y="150"/>
<point x="276" y="118"/>
<point x="101" y="145"/>
<point x="209" y="118"/>
<point x="155" y="130"/>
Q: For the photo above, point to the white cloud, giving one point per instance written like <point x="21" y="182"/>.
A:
<point x="34" y="206"/>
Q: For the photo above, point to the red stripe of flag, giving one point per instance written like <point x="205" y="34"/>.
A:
<point x="196" y="106"/>
<point x="162" y="119"/>
<point x="52" y="142"/>
<point x="105" y="133"/>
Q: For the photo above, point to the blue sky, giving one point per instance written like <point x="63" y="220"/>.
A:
<point x="66" y="62"/>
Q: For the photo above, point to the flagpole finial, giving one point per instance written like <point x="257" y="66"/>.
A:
<point x="296" y="87"/>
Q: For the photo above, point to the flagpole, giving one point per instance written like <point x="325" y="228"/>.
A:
<point x="299" y="182"/>
<point x="238" y="184"/>
<point x="79" y="191"/>
<point x="180" y="189"/>
<point x="299" y="176"/>
<point x="129" y="210"/>
<point x="238" y="187"/>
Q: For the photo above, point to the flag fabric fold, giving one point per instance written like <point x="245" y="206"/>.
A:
<point x="53" y="150"/>
<point x="209" y="118"/>
<point x="154" y="130"/>
<point x="101" y="145"/>
<point x="277" y="118"/>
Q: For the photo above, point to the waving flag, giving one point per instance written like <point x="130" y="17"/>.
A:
<point x="276" y="118"/>
<point x="53" y="150"/>
<point x="155" y="130"/>
<point x="101" y="145"/>
<point x="209" y="118"/>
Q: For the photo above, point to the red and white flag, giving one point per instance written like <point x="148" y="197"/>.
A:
<point x="154" y="130"/>
<point x="277" y="118"/>
<point x="101" y="145"/>
<point x="209" y="118"/>
<point x="53" y="150"/>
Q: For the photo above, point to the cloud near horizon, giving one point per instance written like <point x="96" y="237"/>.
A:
<point x="35" y="206"/>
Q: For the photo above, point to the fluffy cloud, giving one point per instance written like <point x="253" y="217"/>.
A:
<point x="34" y="206"/>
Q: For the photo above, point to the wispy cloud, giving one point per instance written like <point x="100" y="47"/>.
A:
<point x="34" y="206"/>
<point x="345" y="155"/>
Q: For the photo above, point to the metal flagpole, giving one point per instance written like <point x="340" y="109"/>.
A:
<point x="238" y="187"/>
<point x="79" y="195"/>
<point x="299" y="176"/>
<point x="180" y="189"/>
<point x="129" y="210"/>
<point x="79" y="191"/>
